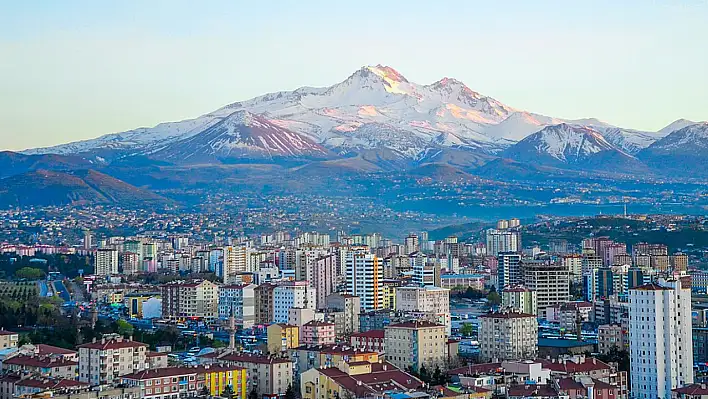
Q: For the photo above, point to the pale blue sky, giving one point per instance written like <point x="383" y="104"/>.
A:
<point x="73" y="70"/>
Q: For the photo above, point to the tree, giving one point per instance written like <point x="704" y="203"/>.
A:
<point x="253" y="394"/>
<point x="467" y="329"/>
<point x="228" y="392"/>
<point x="493" y="297"/>
<point x="124" y="328"/>
<point x="290" y="392"/>
<point x="29" y="273"/>
<point x="204" y="392"/>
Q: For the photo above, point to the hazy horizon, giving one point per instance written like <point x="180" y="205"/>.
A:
<point x="77" y="70"/>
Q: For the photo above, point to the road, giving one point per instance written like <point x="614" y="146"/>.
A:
<point x="43" y="290"/>
<point x="61" y="291"/>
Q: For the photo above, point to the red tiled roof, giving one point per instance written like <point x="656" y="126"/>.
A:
<point x="472" y="369"/>
<point x="316" y="323"/>
<point x="159" y="373"/>
<point x="113" y="344"/>
<point x="4" y="332"/>
<point x="415" y="324"/>
<point x="377" y="381"/>
<point x="246" y="358"/>
<point x="506" y="315"/>
<point x="692" y="389"/>
<point x="651" y="287"/>
<point x="569" y="383"/>
<point x="530" y="391"/>
<point x="44" y="349"/>
<point x="370" y="334"/>
<point x="50" y="383"/>
<point x="155" y="354"/>
<point x="39" y="361"/>
<point x="570" y="367"/>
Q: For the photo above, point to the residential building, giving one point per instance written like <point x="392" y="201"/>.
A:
<point x="428" y="299"/>
<point x="264" y="303"/>
<point x="166" y="382"/>
<point x="190" y="300"/>
<point x="357" y="379"/>
<point x="318" y="333"/>
<point x="343" y="310"/>
<point x="660" y="341"/>
<point x="282" y="337"/>
<point x="105" y="361"/>
<point x="8" y="339"/>
<point x="238" y="301"/>
<point x="508" y="269"/>
<point x="452" y="281"/>
<point x="323" y="279"/>
<point x="371" y="341"/>
<point x="364" y="278"/>
<point x="130" y="261"/>
<point x="42" y="365"/>
<point x="291" y="294"/>
<point x="550" y="281"/>
<point x="416" y="343"/>
<point x="503" y="241"/>
<point x="611" y="336"/>
<point x="520" y="298"/>
<point x="106" y="262"/>
<point x="508" y="335"/>
<point x="269" y="376"/>
<point x="235" y="261"/>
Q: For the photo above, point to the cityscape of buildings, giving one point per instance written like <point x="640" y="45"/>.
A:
<point x="362" y="315"/>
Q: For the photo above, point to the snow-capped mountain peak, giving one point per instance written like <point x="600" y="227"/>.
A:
<point x="676" y="125"/>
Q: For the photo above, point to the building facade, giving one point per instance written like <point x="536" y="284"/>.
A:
<point x="508" y="335"/>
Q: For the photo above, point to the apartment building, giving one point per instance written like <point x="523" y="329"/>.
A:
<point x="343" y="310"/>
<point x="364" y="278"/>
<point x="8" y="339"/>
<point x="106" y="262"/>
<point x="318" y="333"/>
<point x="550" y="281"/>
<point x="264" y="303"/>
<point x="270" y="376"/>
<point x="428" y="299"/>
<point x="520" y="298"/>
<point x="42" y="365"/>
<point x="282" y="337"/>
<point x="194" y="300"/>
<point x="239" y="301"/>
<point x="291" y="294"/>
<point x="416" y="343"/>
<point x="508" y="335"/>
<point x="105" y="361"/>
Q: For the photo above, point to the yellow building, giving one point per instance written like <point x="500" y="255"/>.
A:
<point x="133" y="302"/>
<point x="389" y="296"/>
<point x="282" y="337"/>
<point x="217" y="378"/>
<point x="354" y="378"/>
<point x="115" y="297"/>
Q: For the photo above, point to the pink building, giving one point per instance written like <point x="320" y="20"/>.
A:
<point x="317" y="333"/>
<point x="372" y="341"/>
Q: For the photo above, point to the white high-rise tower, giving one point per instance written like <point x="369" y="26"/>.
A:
<point x="660" y="338"/>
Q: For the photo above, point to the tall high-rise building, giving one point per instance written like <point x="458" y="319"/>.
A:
<point x="235" y="261"/>
<point x="87" y="239"/>
<point x="660" y="338"/>
<point x="508" y="269"/>
<point x="574" y="263"/>
<point x="194" y="299"/>
<point x="503" y="241"/>
<point x="508" y="335"/>
<point x="364" y="278"/>
<point x="323" y="278"/>
<point x="551" y="282"/>
<point x="291" y="294"/>
<point x="432" y="300"/>
<point x="521" y="299"/>
<point x="411" y="244"/>
<point x="106" y="262"/>
<point x="130" y="262"/>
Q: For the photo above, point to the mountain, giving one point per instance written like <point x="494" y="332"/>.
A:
<point x="572" y="147"/>
<point x="375" y="119"/>
<point x="44" y="187"/>
<point x="13" y="163"/>
<point x="241" y="136"/>
<point x="683" y="152"/>
<point x="676" y="125"/>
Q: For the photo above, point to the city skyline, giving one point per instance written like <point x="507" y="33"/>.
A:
<point x="91" y="69"/>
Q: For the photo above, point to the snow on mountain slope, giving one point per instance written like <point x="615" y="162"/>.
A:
<point x="629" y="141"/>
<point x="676" y="125"/>
<point x="375" y="108"/>
<point x="570" y="146"/>
<point x="241" y="135"/>
<point x="683" y="152"/>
